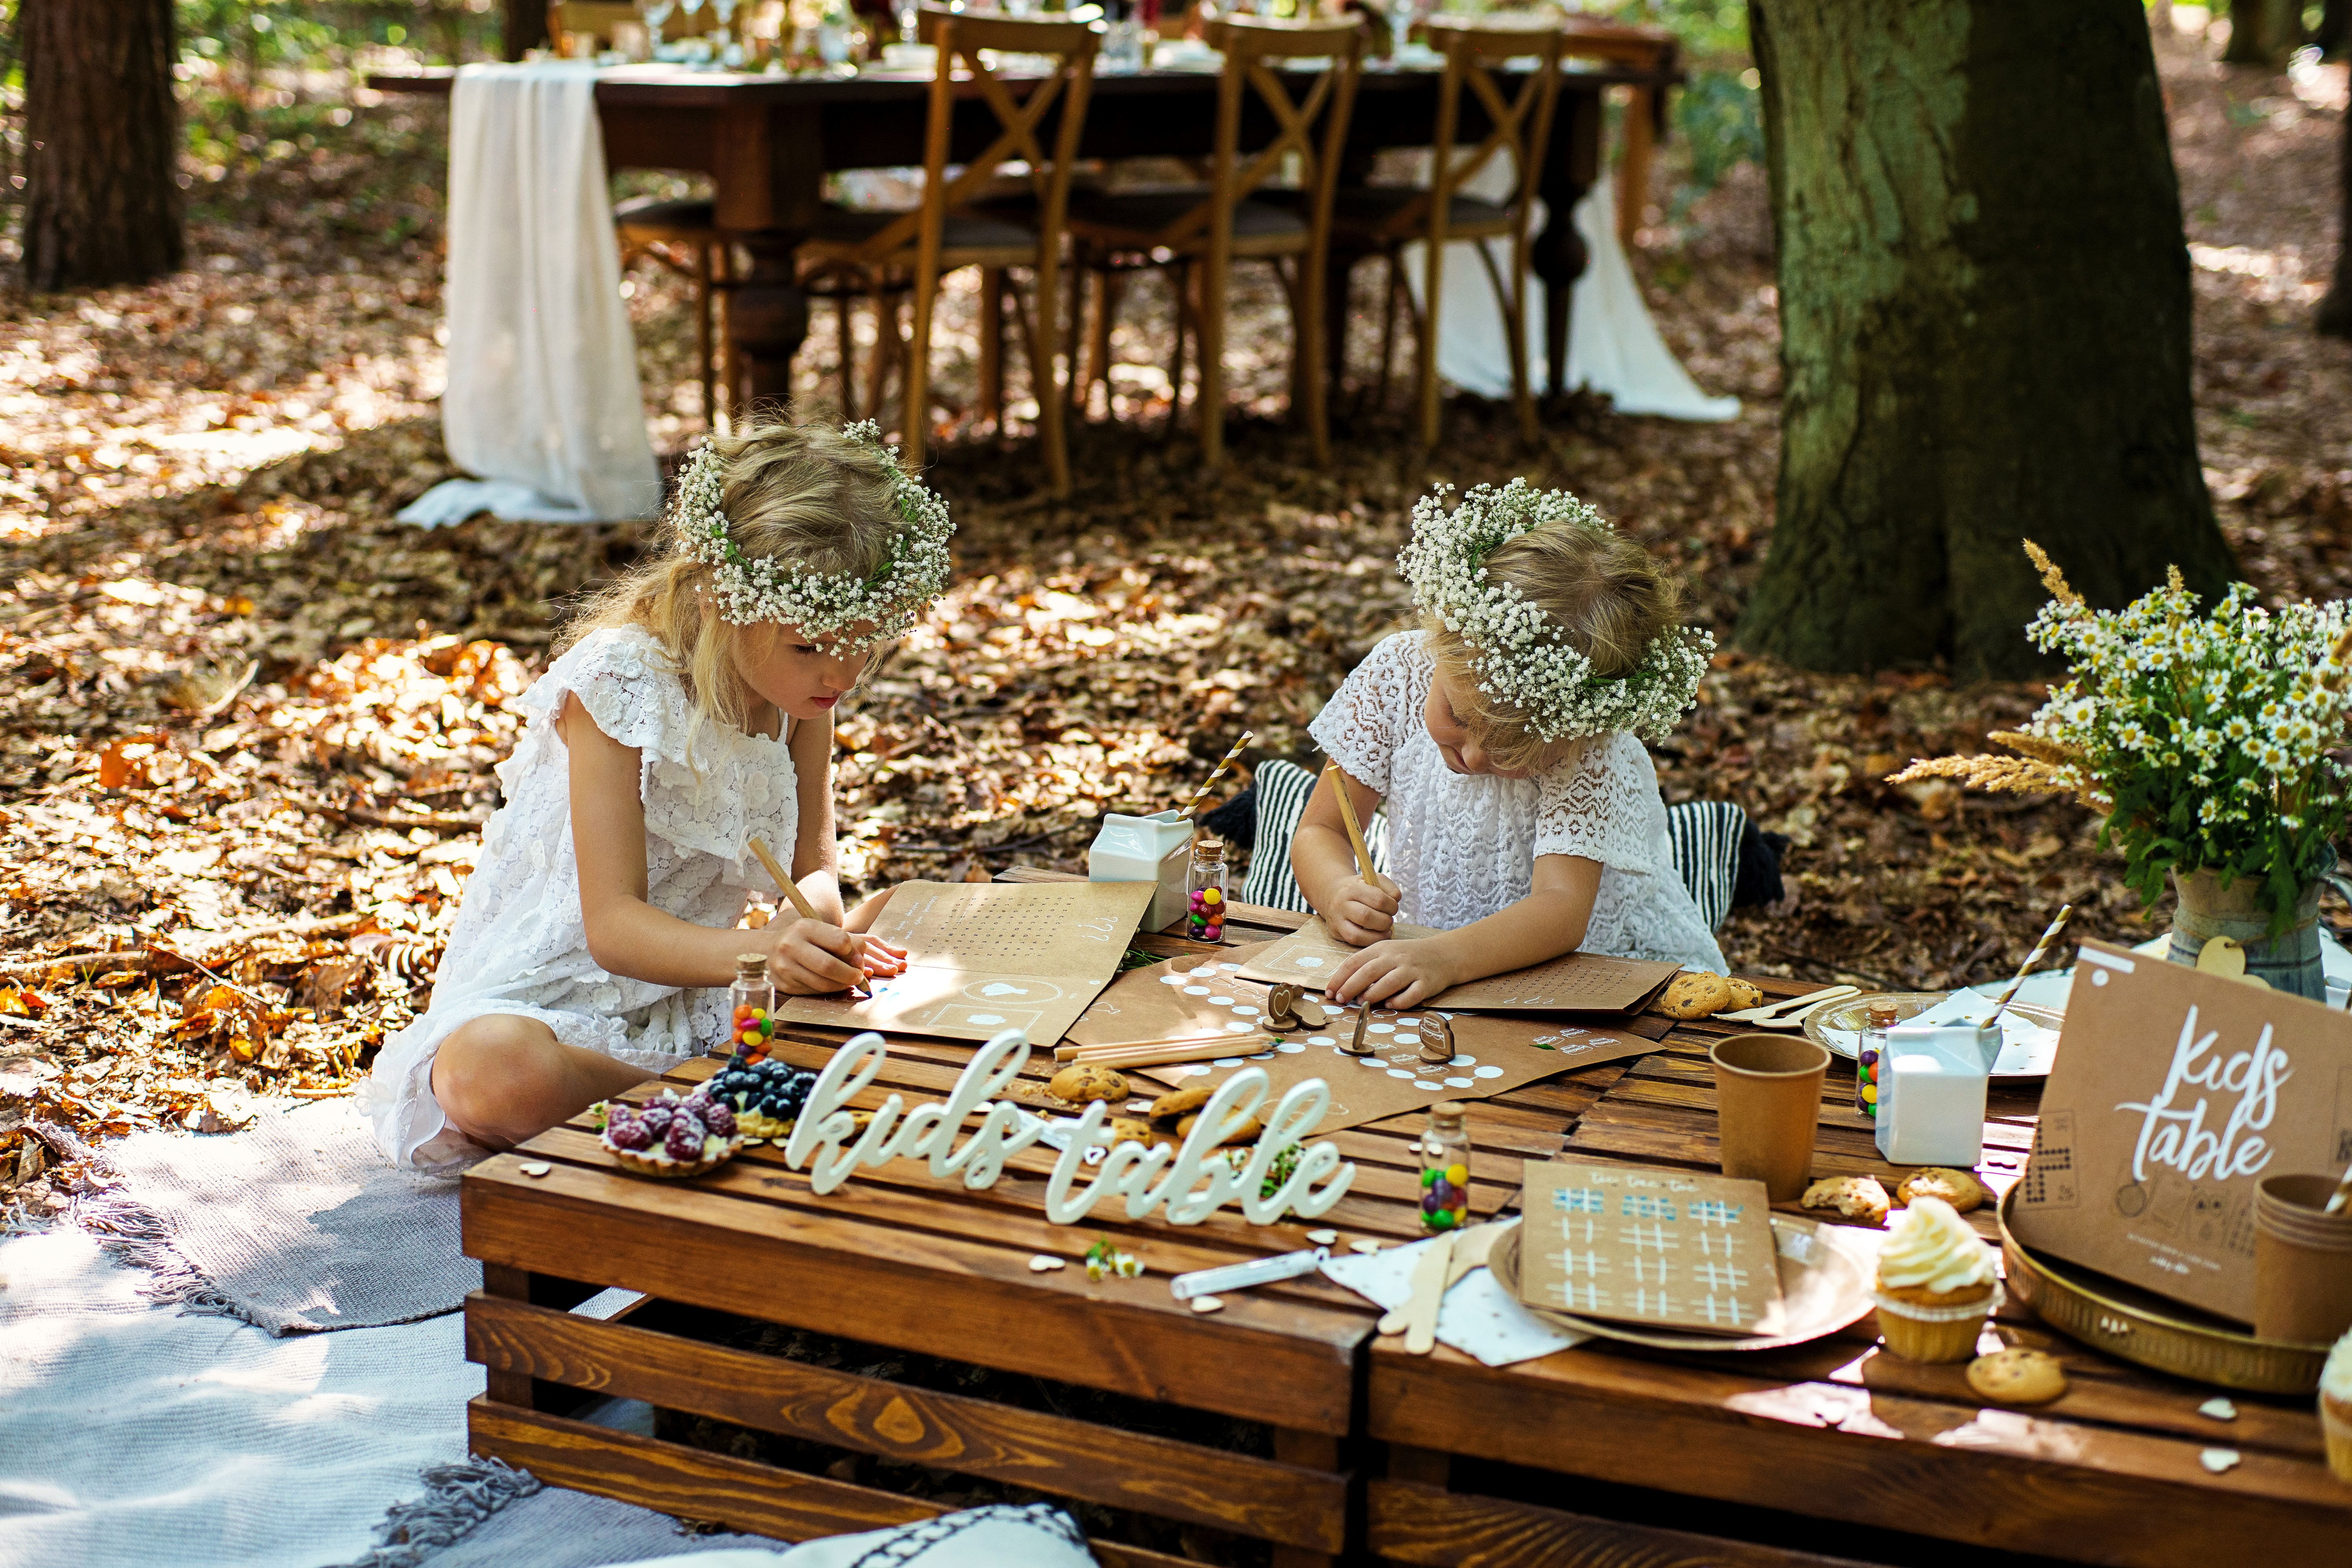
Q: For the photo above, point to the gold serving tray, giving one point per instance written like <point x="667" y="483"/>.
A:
<point x="2136" y="1326"/>
<point x="1825" y="1288"/>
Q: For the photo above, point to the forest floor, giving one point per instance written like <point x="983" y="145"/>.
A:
<point x="248" y="722"/>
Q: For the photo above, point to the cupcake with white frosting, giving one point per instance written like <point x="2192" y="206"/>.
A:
<point x="1936" y="1284"/>
<point x="2336" y="1407"/>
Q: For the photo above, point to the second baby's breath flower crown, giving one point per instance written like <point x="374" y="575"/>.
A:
<point x="751" y="589"/>
<point x="1520" y="654"/>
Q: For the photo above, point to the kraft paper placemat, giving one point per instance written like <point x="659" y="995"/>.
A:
<point x="1196" y="995"/>
<point x="1634" y="1246"/>
<point x="1575" y="983"/>
<point x="983" y="957"/>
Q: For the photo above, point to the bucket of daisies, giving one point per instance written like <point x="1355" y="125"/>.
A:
<point x="2206" y="740"/>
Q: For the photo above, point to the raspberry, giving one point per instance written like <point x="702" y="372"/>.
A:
<point x="656" y="1117"/>
<point x="719" y="1119"/>
<point x="629" y="1134"/>
<point x="685" y="1140"/>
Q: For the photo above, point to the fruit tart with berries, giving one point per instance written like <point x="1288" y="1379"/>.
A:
<point x="670" y="1136"/>
<point x="765" y="1095"/>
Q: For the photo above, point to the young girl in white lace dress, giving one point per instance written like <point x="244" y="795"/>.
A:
<point x="1504" y="734"/>
<point x="693" y="712"/>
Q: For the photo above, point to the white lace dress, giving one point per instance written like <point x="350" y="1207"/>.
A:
<point x="519" y="945"/>
<point x="1463" y="846"/>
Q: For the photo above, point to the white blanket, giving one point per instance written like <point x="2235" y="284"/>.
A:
<point x="543" y="388"/>
<point x="1613" y="346"/>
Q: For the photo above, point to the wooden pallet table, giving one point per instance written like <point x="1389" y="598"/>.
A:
<point x="2110" y="1473"/>
<point x="895" y="1259"/>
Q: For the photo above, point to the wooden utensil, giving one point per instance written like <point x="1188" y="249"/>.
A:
<point x="1355" y="831"/>
<point x="1428" y="1295"/>
<point x="1470" y="1249"/>
<point x="1796" y="1020"/>
<point x="1770" y="1009"/>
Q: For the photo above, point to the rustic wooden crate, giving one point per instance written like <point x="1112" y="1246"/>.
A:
<point x="2109" y="1474"/>
<point x="897" y="1259"/>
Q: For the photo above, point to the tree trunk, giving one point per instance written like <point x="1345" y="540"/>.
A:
<point x="523" y="25"/>
<point x="2263" y="32"/>
<point x="1984" y="311"/>
<point x="2334" y="317"/>
<point x="102" y="135"/>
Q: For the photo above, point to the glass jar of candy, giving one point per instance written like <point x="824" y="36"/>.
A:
<point x="1445" y="1167"/>
<point x="1878" y="1018"/>
<point x="752" y="1006"/>
<point x="1206" y="891"/>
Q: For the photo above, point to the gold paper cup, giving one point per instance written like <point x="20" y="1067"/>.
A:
<point x="2303" y="1261"/>
<point x="1917" y="1331"/>
<point x="2336" y="1425"/>
<point x="1768" y="1107"/>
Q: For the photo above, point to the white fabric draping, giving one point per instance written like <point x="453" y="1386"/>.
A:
<point x="542" y="399"/>
<point x="1613" y="346"/>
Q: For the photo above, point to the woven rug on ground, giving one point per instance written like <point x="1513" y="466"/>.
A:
<point x="294" y="1225"/>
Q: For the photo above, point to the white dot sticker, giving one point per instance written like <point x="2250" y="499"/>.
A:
<point x="1399" y="1072"/>
<point x="2098" y="977"/>
<point x="1226" y="1062"/>
<point x="1407" y="1023"/>
<point x="1231" y="968"/>
<point x="1308" y="961"/>
<point x="1463" y="1061"/>
<point x="1430" y="1088"/>
<point x="1206" y="972"/>
<point x="1236" y="1026"/>
<point x="1379" y="1029"/>
<point x="1245" y="1012"/>
<point x="1171" y="980"/>
<point x="1459" y="1082"/>
<point x="1220" y="1001"/>
<point x="1196" y="991"/>
<point x="1375" y="1062"/>
<point x="1486" y="1072"/>
<point x="1290" y="1048"/>
<point x="1263" y="1057"/>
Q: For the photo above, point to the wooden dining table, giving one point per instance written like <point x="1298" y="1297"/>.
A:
<point x="767" y="142"/>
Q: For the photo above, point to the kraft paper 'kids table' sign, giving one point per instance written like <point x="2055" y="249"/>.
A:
<point x="983" y="957"/>
<point x="1574" y="983"/>
<point x="1629" y="1245"/>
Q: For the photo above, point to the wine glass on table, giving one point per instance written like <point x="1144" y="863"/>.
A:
<point x="654" y="12"/>
<point x="725" y="41"/>
<point x="1401" y="14"/>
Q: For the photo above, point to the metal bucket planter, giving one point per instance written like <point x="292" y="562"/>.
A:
<point x="2289" y="962"/>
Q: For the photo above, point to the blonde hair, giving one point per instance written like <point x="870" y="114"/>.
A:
<point x="797" y="493"/>
<point x="1609" y="596"/>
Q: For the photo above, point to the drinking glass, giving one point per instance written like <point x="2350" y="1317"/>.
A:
<point x="909" y="15"/>
<point x="1402" y="13"/>
<point x="1122" y="47"/>
<point x="654" y="12"/>
<point x="725" y="11"/>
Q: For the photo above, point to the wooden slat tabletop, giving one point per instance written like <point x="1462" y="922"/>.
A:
<point x="2111" y="1473"/>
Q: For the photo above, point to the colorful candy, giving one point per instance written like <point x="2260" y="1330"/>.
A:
<point x="1445" y="1151"/>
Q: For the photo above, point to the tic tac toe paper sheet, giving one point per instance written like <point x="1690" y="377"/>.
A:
<point x="1198" y="995"/>
<point x="1637" y="1245"/>
<point x="1578" y="983"/>
<point x="983" y="957"/>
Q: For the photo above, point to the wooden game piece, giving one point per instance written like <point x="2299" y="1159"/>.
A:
<point x="1282" y="1007"/>
<point x="1356" y="1047"/>
<point x="1436" y="1040"/>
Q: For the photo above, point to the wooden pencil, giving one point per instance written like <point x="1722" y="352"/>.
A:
<point x="791" y="889"/>
<point x="1355" y="831"/>
<point x="1163" y="1056"/>
<point x="1084" y="1053"/>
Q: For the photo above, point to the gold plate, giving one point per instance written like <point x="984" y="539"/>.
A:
<point x="1827" y="1288"/>
<point x="1836" y="1027"/>
<point x="2136" y="1326"/>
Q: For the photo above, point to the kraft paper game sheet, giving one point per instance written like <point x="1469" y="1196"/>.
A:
<point x="1574" y="983"/>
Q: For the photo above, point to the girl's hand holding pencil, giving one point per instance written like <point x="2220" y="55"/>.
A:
<point x="1363" y="912"/>
<point x="810" y="956"/>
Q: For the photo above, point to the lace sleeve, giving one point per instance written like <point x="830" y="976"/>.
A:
<point x="1371" y="714"/>
<point x="629" y="688"/>
<point x="1605" y="808"/>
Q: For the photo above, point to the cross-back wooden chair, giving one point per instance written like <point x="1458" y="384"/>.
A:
<point x="950" y="230"/>
<point x="1381" y="220"/>
<point x="1207" y="230"/>
<point x="682" y="237"/>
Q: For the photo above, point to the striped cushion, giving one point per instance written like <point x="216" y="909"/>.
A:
<point x="1705" y="838"/>
<point x="1704" y="835"/>
<point x="1282" y="790"/>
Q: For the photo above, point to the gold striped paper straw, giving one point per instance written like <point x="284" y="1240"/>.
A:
<point x="2040" y="951"/>
<point x="1217" y="772"/>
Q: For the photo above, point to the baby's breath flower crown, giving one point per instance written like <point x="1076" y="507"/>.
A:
<point x="1520" y="653"/>
<point x="751" y="589"/>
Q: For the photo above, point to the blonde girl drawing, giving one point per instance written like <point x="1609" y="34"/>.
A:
<point x="693" y="710"/>
<point x="1504" y="735"/>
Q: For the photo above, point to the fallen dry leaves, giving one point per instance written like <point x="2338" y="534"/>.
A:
<point x="247" y="723"/>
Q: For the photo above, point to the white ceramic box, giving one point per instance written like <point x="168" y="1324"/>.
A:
<point x="1156" y="848"/>
<point x="1931" y="1096"/>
